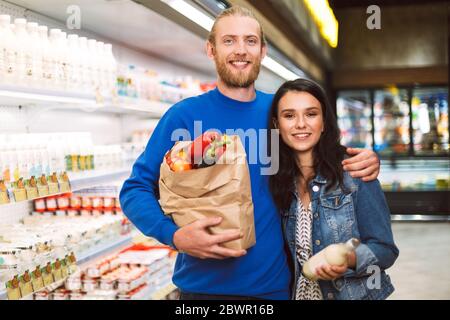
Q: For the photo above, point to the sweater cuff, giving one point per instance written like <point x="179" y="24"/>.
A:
<point x="166" y="232"/>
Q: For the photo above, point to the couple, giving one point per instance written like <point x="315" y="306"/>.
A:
<point x="310" y="203"/>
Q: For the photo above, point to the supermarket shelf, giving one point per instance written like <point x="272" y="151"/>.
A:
<point x="104" y="249"/>
<point x="87" y="257"/>
<point x="83" y="180"/>
<point x="88" y="179"/>
<point x="66" y="100"/>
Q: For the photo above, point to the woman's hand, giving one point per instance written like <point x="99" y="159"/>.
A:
<point x="364" y="164"/>
<point x="329" y="272"/>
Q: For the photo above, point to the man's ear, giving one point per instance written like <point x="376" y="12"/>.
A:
<point x="210" y="50"/>
<point x="263" y="51"/>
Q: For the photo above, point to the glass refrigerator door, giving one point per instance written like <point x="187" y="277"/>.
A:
<point x="391" y="121"/>
<point x="354" y="112"/>
<point x="430" y="121"/>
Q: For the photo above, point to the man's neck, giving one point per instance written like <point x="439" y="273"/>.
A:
<point x="240" y="94"/>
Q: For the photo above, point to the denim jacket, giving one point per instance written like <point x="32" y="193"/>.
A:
<point x="361" y="213"/>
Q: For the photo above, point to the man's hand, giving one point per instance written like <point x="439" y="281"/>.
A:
<point x="195" y="240"/>
<point x="364" y="164"/>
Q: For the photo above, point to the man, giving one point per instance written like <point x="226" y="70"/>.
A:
<point x="205" y="269"/>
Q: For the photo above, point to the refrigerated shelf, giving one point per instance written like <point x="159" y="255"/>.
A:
<point x="87" y="257"/>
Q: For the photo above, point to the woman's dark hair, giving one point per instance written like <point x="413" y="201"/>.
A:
<point x="328" y="152"/>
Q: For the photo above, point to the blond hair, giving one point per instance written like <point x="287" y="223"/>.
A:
<point x="234" y="11"/>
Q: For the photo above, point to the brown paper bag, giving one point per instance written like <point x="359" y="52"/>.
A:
<point x="222" y="189"/>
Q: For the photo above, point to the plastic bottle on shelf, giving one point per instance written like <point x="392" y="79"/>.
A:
<point x="64" y="55"/>
<point x="6" y="49"/>
<point x="46" y="58"/>
<point x="84" y="71"/>
<point x="21" y="42"/>
<point x="111" y="67"/>
<point x="73" y="62"/>
<point x="93" y="64"/>
<point x="33" y="59"/>
<point x="54" y="58"/>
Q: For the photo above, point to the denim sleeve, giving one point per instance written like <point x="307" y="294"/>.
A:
<point x="374" y="223"/>
<point x="140" y="192"/>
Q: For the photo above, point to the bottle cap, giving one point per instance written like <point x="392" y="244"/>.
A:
<point x="352" y="244"/>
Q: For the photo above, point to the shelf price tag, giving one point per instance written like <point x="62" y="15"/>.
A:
<point x="36" y="279"/>
<point x="12" y="289"/>
<point x="26" y="288"/>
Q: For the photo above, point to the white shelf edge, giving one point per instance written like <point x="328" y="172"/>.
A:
<point x="12" y="95"/>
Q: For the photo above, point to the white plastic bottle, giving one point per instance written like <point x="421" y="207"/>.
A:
<point x="32" y="56"/>
<point x="21" y="45"/>
<point x="54" y="53"/>
<point x="63" y="58"/>
<point x="111" y="69"/>
<point x="335" y="255"/>
<point x="73" y="63"/>
<point x="93" y="64"/>
<point x="46" y="58"/>
<point x="6" y="49"/>
<point x="84" y="71"/>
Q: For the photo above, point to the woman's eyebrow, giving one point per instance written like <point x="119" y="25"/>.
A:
<point x="307" y="109"/>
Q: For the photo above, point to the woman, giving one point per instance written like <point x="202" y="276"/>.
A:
<point x="321" y="204"/>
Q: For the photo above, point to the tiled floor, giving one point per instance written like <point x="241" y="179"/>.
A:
<point x="422" y="271"/>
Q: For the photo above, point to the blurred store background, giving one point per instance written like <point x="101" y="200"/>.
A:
<point x="84" y="82"/>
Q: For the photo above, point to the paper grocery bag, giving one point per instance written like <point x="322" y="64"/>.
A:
<point x="222" y="189"/>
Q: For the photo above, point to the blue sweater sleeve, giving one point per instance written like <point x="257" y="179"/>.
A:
<point x="140" y="192"/>
<point x="374" y="223"/>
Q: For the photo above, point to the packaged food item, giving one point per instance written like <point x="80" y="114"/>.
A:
<point x="76" y="295"/>
<point x="42" y="295"/>
<point x="39" y="205"/>
<point x="108" y="203"/>
<point x="73" y="282"/>
<point x="60" y="294"/>
<point x="51" y="203"/>
<point x="63" y="202"/>
<point x="86" y="202"/>
<point x="89" y="284"/>
<point x="97" y="203"/>
<point x="75" y="202"/>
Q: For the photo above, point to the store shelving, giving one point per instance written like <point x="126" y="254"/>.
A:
<point x="84" y="180"/>
<point x="54" y="99"/>
<point x="88" y="256"/>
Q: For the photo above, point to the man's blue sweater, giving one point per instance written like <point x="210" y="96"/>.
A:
<point x="263" y="272"/>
